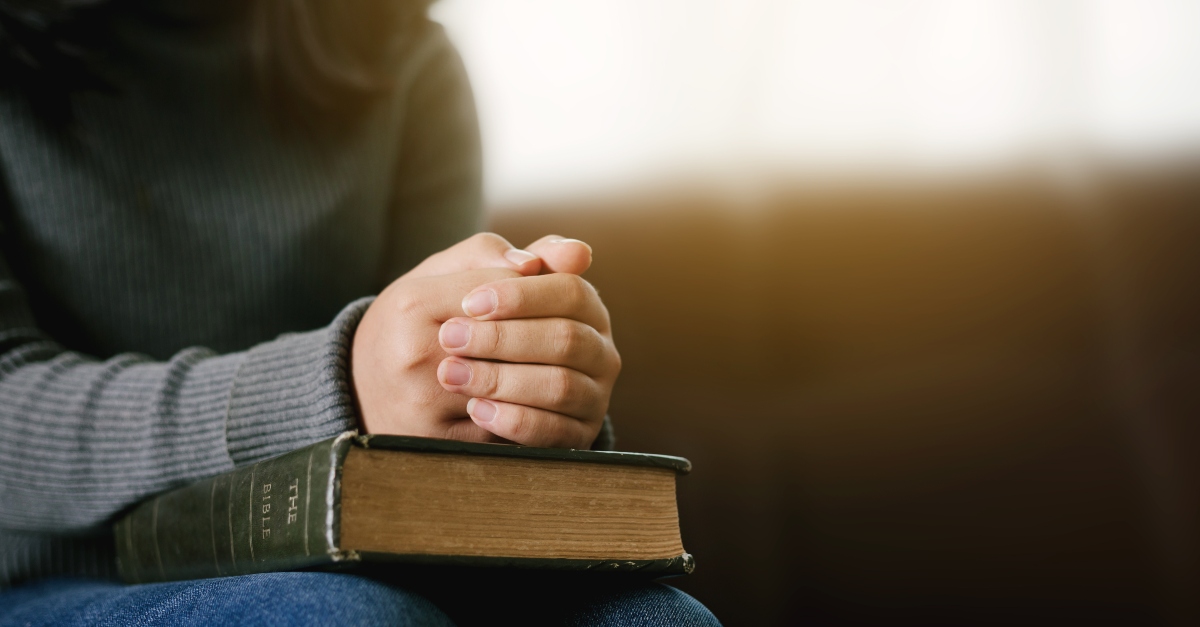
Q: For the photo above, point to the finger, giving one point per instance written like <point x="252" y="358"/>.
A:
<point x="440" y="297"/>
<point x="531" y="426"/>
<point x="546" y="296"/>
<point x="560" y="254"/>
<point x="553" y="388"/>
<point x="482" y="250"/>
<point x="552" y="341"/>
<point x="451" y="422"/>
<point x="465" y="430"/>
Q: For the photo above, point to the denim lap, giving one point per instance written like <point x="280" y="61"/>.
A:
<point x="283" y="599"/>
<point x="315" y="598"/>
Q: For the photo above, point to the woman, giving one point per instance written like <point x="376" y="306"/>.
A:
<point x="197" y="197"/>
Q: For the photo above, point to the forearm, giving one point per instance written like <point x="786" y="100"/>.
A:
<point x="84" y="439"/>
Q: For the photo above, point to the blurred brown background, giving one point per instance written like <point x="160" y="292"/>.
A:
<point x="926" y="314"/>
<point x="957" y="401"/>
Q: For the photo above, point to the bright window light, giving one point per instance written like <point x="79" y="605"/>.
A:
<point x="593" y="94"/>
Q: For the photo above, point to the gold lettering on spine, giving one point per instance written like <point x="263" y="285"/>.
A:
<point x="293" y="500"/>
<point x="266" y="509"/>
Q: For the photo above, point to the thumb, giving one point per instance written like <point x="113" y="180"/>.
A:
<point x="483" y="250"/>
<point x="560" y="254"/>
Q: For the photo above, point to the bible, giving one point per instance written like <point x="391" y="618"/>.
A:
<point x="377" y="499"/>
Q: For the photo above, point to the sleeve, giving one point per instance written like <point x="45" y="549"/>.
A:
<point x="82" y="439"/>
<point x="438" y="186"/>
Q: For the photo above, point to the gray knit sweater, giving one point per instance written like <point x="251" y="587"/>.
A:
<point x="180" y="279"/>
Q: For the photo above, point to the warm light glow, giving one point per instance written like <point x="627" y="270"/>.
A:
<point x="587" y="95"/>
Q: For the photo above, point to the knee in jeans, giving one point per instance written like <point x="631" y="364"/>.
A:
<point x="647" y="605"/>
<point x="300" y="598"/>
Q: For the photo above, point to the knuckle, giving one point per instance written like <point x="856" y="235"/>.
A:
<point x="577" y="287"/>
<point x="480" y="239"/>
<point x="486" y="379"/>
<point x="406" y="304"/>
<point x="538" y="428"/>
<point x="566" y="338"/>
<point x="560" y="387"/>
<point x="603" y="309"/>
<point x="518" y="425"/>
<point x="510" y="299"/>
<point x="416" y="357"/>
<point x="495" y="338"/>
<point x="581" y="294"/>
<point x="587" y="289"/>
<point x="488" y="241"/>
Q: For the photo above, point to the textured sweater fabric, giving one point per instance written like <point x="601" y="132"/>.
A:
<point x="180" y="279"/>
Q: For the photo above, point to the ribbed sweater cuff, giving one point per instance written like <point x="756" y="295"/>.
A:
<point x="293" y="391"/>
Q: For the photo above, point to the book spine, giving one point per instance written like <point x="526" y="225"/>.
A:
<point x="278" y="514"/>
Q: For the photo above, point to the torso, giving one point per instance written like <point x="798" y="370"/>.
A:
<point x="180" y="216"/>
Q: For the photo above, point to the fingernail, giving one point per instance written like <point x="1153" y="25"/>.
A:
<point x="456" y="373"/>
<point x="518" y="256"/>
<point x="481" y="410"/>
<point x="455" y="335"/>
<point x="480" y="303"/>
<point x="568" y="240"/>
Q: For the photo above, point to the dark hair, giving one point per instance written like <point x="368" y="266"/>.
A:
<point x="317" y="63"/>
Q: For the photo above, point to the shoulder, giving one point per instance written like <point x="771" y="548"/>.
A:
<point x="424" y="54"/>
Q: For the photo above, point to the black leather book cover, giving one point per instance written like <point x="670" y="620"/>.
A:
<point x="283" y="514"/>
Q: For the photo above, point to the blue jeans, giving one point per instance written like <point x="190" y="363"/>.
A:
<point x="315" y="598"/>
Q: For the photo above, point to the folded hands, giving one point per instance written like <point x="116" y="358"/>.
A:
<point x="485" y="342"/>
